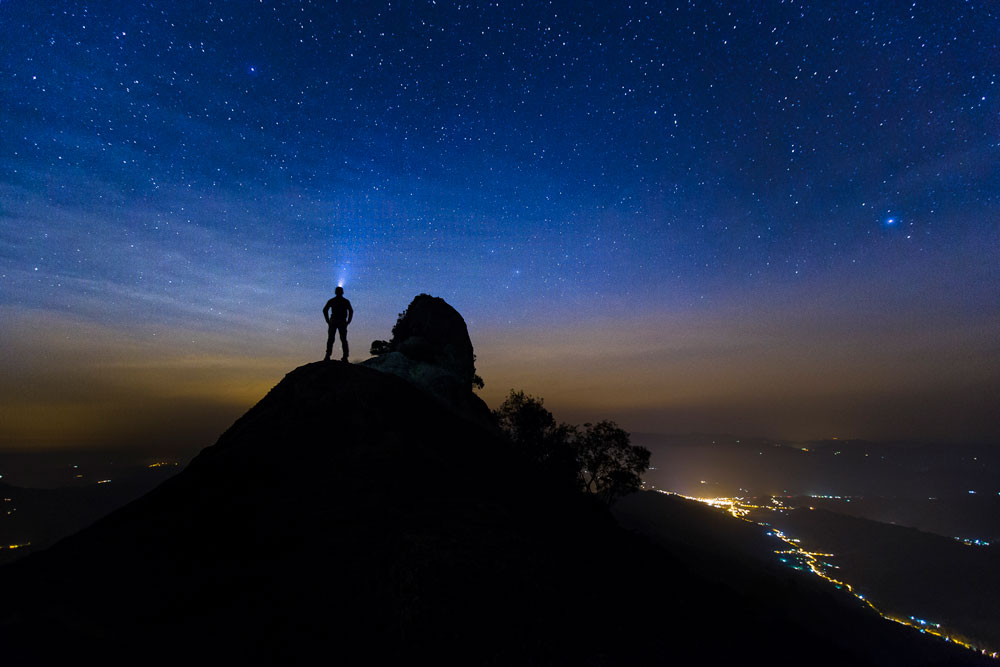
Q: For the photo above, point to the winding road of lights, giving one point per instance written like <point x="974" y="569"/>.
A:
<point x="741" y="509"/>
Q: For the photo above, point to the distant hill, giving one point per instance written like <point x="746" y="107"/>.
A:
<point x="727" y="465"/>
<point x="356" y="517"/>
<point x="32" y="519"/>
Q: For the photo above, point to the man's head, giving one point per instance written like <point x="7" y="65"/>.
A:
<point x="339" y="291"/>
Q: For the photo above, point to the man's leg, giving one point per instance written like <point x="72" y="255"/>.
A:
<point x="329" y="342"/>
<point x="343" y="340"/>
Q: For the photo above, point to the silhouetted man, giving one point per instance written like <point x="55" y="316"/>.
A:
<point x="338" y="314"/>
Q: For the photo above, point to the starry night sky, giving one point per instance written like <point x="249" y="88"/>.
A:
<point x="775" y="218"/>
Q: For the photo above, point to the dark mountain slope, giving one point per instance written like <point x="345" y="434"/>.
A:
<point x="353" y="517"/>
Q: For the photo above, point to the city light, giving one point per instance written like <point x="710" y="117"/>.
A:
<point x="973" y="542"/>
<point x="810" y="561"/>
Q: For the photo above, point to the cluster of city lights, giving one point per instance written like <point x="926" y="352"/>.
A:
<point x="741" y="508"/>
<point x="973" y="542"/>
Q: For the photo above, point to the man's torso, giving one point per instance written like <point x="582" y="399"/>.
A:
<point x="339" y="307"/>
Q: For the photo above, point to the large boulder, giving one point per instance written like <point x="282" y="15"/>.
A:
<point x="431" y="348"/>
<point x="430" y="330"/>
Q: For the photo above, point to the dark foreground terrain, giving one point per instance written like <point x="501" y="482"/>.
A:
<point x="352" y="517"/>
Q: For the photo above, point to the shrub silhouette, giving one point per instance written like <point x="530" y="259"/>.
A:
<point x="379" y="347"/>
<point x="610" y="465"/>
<point x="598" y="459"/>
<point x="534" y="433"/>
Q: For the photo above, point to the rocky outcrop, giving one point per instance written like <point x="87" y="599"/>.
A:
<point x="430" y="330"/>
<point x="431" y="348"/>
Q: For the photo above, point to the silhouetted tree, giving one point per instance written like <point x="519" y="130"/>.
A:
<point x="599" y="459"/>
<point x="527" y="423"/>
<point x="610" y="465"/>
<point x="477" y="381"/>
<point x="533" y="432"/>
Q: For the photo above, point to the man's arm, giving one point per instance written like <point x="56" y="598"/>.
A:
<point x="350" y="312"/>
<point x="326" y="312"/>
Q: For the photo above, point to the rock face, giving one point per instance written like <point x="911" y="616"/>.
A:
<point x="432" y="331"/>
<point x="431" y="348"/>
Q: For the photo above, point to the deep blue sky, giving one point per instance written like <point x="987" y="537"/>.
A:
<point x="766" y="217"/>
